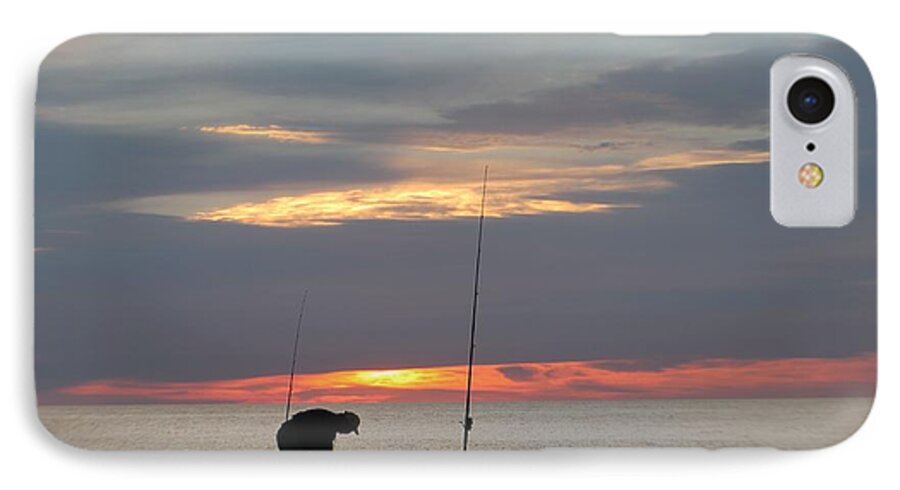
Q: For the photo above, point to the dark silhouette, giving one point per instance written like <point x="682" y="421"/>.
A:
<point x="315" y="429"/>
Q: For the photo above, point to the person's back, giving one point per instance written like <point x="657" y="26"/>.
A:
<point x="315" y="429"/>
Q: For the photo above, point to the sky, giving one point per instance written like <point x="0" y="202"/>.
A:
<point x="188" y="189"/>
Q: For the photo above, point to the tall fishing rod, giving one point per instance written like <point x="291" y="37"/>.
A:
<point x="287" y="408"/>
<point x="467" y="422"/>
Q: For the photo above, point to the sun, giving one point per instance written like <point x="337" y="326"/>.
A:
<point x="390" y="377"/>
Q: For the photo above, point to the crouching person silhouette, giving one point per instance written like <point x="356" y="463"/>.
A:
<point x="315" y="429"/>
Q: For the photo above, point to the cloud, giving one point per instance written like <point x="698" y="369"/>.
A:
<point x="652" y="93"/>
<point x="396" y="203"/>
<point x="519" y="193"/>
<point x="518" y="373"/>
<point x="706" y="378"/>
<point x="637" y="365"/>
<point x="759" y="144"/>
<point x="606" y="146"/>
<point x="447" y="141"/>
<point x="91" y="165"/>
<point x="272" y="132"/>
<point x="702" y="158"/>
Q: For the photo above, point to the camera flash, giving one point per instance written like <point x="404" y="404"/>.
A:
<point x="811" y="175"/>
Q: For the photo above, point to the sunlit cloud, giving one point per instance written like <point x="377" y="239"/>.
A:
<point x="435" y="193"/>
<point x="604" y="379"/>
<point x="272" y="132"/>
<point x="702" y="158"/>
<point x="523" y="194"/>
<point x="400" y="203"/>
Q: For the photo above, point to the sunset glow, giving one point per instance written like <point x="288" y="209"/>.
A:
<point x="572" y="380"/>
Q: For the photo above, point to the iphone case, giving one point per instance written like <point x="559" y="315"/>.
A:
<point x="305" y="241"/>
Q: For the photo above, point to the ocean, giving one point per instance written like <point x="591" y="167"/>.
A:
<point x="783" y="423"/>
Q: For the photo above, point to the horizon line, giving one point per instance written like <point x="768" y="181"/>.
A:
<point x="599" y="379"/>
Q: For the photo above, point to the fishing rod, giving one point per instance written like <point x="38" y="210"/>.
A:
<point x="467" y="423"/>
<point x="287" y="408"/>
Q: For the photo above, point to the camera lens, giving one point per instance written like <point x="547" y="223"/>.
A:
<point x="810" y="100"/>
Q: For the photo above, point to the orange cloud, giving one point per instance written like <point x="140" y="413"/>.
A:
<point x="588" y="380"/>
<point x="271" y="132"/>
<point x="397" y="203"/>
<point x="524" y="193"/>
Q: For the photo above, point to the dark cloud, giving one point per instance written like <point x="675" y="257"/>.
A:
<point x="517" y="373"/>
<point x="274" y="68"/>
<point x="657" y="92"/>
<point x="609" y="145"/>
<point x="377" y="79"/>
<point x="82" y="165"/>
<point x="637" y="365"/>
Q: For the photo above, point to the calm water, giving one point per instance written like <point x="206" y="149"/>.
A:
<point x="794" y="423"/>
